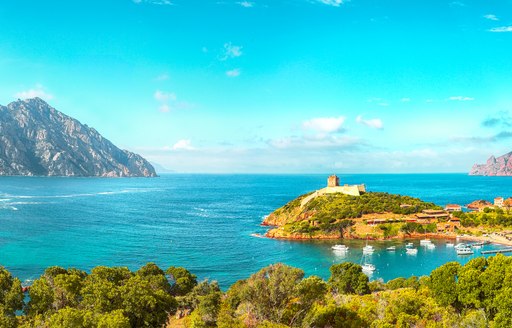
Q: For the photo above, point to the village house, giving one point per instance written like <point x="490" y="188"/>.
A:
<point x="453" y="208"/>
<point x="498" y="202"/>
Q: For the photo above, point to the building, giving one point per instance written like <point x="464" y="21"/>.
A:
<point x="498" y="201"/>
<point x="453" y="208"/>
<point x="431" y="216"/>
<point x="333" y="187"/>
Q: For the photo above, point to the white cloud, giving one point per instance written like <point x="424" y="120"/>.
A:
<point x="501" y="29"/>
<point x="246" y="4"/>
<point x="183" y="144"/>
<point x="38" y="91"/>
<point x="491" y="17"/>
<point x="375" y="123"/>
<point x="405" y="99"/>
<point x="154" y="2"/>
<point x="233" y="73"/>
<point x="164" y="96"/>
<point x="324" y="124"/>
<point x="231" y="51"/>
<point x="334" y="3"/>
<point x="162" y="77"/>
<point x="461" y="98"/>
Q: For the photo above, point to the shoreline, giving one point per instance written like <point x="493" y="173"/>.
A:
<point x="493" y="238"/>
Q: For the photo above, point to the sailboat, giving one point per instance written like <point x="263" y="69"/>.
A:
<point x="368" y="249"/>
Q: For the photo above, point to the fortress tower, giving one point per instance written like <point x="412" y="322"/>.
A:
<point x="333" y="181"/>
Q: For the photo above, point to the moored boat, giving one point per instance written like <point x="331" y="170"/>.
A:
<point x="464" y="251"/>
<point x="367" y="267"/>
<point x="340" y="248"/>
<point x="391" y="248"/>
<point x="411" y="251"/>
<point x="425" y="242"/>
<point x="368" y="249"/>
<point x="450" y="244"/>
<point x="409" y="245"/>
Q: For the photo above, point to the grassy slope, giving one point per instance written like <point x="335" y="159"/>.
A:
<point x="317" y="218"/>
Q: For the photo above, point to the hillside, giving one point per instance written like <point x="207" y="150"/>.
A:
<point x="38" y="140"/>
<point x="501" y="166"/>
<point x="324" y="216"/>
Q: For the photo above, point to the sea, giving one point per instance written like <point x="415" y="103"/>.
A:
<point x="209" y="224"/>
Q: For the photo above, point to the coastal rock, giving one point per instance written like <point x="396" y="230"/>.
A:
<point x="501" y="166"/>
<point x="38" y="140"/>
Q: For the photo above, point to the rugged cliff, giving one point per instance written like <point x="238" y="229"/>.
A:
<point x="38" y="140"/>
<point x="501" y="166"/>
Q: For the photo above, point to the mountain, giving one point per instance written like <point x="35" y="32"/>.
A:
<point x="501" y="166"/>
<point x="38" y="140"/>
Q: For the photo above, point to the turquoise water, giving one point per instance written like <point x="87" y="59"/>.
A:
<point x="202" y="222"/>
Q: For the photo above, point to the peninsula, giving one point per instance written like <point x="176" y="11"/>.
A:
<point x="38" y="140"/>
<point x="349" y="211"/>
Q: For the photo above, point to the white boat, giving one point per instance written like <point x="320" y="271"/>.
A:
<point x="449" y="245"/>
<point x="411" y="251"/>
<point x="460" y="245"/>
<point x="476" y="246"/>
<point x="391" y="248"/>
<point x="340" y="248"/>
<point x="409" y="245"/>
<point x="464" y="251"/>
<point x="368" y="249"/>
<point x="431" y="246"/>
<point x="425" y="242"/>
<point x="367" y="267"/>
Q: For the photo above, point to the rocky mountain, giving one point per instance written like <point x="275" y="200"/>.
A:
<point x="501" y="166"/>
<point x="38" y="140"/>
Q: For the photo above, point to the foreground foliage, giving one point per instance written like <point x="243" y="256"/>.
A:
<point x="477" y="294"/>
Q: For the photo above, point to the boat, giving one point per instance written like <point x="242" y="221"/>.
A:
<point x="341" y="248"/>
<point x="460" y="245"/>
<point x="409" y="245"/>
<point x="367" y="267"/>
<point x="411" y="251"/>
<point x="464" y="251"/>
<point x="450" y="244"/>
<point x="368" y="249"/>
<point x="475" y="246"/>
<point x="431" y="246"/>
<point x="425" y="242"/>
<point x="391" y="248"/>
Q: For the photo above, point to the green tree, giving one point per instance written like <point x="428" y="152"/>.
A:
<point x="443" y="282"/>
<point x="348" y="278"/>
<point x="11" y="295"/>
<point x="182" y="280"/>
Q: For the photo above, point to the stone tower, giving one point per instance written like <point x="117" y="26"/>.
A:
<point x="333" y="181"/>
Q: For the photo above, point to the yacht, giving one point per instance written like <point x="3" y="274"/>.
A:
<point x="425" y="242"/>
<point x="367" y="267"/>
<point x="411" y="251"/>
<point x="431" y="246"/>
<point x="460" y="245"/>
<point x="341" y="248"/>
<point x="464" y="251"/>
<point x="368" y="249"/>
<point x="391" y="248"/>
<point x="450" y="244"/>
<point x="409" y="245"/>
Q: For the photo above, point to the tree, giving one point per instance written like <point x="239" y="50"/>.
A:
<point x="11" y="295"/>
<point x="443" y="283"/>
<point x="469" y="284"/>
<point x="182" y="280"/>
<point x="41" y="297"/>
<point x="348" y="278"/>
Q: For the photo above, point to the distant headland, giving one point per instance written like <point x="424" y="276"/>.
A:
<point x="38" y="140"/>
<point x="501" y="166"/>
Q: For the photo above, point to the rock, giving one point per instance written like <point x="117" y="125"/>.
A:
<point x="38" y="140"/>
<point x="501" y="166"/>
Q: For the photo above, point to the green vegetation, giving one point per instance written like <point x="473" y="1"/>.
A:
<point x="493" y="217"/>
<point x="334" y="213"/>
<point x="478" y="294"/>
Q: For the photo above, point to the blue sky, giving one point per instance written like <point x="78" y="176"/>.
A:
<point x="273" y="86"/>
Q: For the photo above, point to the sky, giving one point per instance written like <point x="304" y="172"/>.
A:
<point x="291" y="86"/>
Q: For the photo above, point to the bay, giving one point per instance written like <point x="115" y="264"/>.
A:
<point x="205" y="223"/>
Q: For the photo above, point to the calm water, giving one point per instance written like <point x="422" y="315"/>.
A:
<point x="201" y="222"/>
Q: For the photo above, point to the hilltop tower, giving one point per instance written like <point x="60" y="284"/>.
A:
<point x="333" y="181"/>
